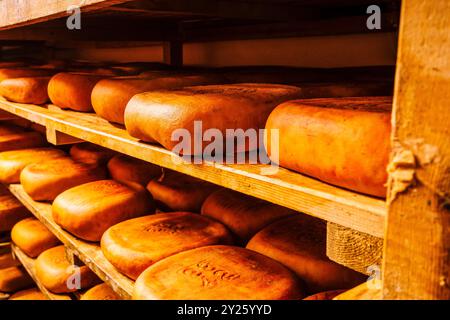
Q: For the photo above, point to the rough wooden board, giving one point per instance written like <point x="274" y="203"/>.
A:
<point x="14" y="13"/>
<point x="28" y="264"/>
<point x="89" y="253"/>
<point x="370" y="290"/>
<point x="286" y="188"/>
<point x="417" y="242"/>
<point x="355" y="250"/>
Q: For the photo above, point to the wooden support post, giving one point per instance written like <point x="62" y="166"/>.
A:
<point x="417" y="242"/>
<point x="173" y="52"/>
<point x="58" y="138"/>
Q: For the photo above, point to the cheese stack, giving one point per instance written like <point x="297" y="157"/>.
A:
<point x="174" y="191"/>
<point x="32" y="237"/>
<point x="298" y="242"/>
<point x="56" y="274"/>
<point x="133" y="245"/>
<point x="242" y="214"/>
<point x="166" y="116"/>
<point x="89" y="209"/>
<point x="217" y="273"/>
<point x="345" y="142"/>
<point x="44" y="181"/>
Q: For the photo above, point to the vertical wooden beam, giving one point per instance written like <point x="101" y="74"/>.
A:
<point x="417" y="242"/>
<point x="173" y="52"/>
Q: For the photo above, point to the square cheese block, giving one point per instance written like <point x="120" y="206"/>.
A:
<point x="13" y="279"/>
<point x="31" y="90"/>
<point x="298" y="242"/>
<point x="125" y="168"/>
<point x="345" y="142"/>
<point x="13" y="162"/>
<point x="44" y="181"/>
<point x="161" y="116"/>
<point x="174" y="191"/>
<point x="88" y="210"/>
<point x="217" y="273"/>
<point x="54" y="272"/>
<point x="32" y="237"/>
<point x="133" y="245"/>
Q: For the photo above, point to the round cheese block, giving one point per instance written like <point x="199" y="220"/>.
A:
<point x="133" y="245"/>
<point x="11" y="211"/>
<point x="89" y="209"/>
<point x="21" y="140"/>
<point x="160" y="116"/>
<point x="100" y="292"/>
<point x="243" y="215"/>
<point x="44" y="181"/>
<point x="28" y="294"/>
<point x="73" y="90"/>
<point x="7" y="73"/>
<point x="91" y="153"/>
<point x="124" y="168"/>
<point x="32" y="237"/>
<point x="217" y="273"/>
<point x="327" y="295"/>
<point x="31" y="90"/>
<point x="7" y="260"/>
<point x="13" y="279"/>
<point x="345" y="142"/>
<point x="13" y="162"/>
<point x="110" y="96"/>
<point x="57" y="275"/>
<point x="174" y="191"/>
<point x="298" y="242"/>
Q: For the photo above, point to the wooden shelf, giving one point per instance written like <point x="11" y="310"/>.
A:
<point x="370" y="290"/>
<point x="89" y="253"/>
<point x="28" y="264"/>
<point x="286" y="188"/>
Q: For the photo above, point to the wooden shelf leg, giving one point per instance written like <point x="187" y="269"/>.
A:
<point x="58" y="138"/>
<point x="417" y="242"/>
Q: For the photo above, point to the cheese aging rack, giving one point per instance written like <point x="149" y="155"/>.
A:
<point x="412" y="223"/>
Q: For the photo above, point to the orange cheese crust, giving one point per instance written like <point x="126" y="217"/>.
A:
<point x="28" y="294"/>
<point x="100" y="292"/>
<point x="21" y="140"/>
<point x="13" y="279"/>
<point x="91" y="153"/>
<point x="11" y="211"/>
<point x="32" y="90"/>
<point x="124" y="168"/>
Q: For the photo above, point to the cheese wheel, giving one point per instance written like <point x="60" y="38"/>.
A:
<point x="13" y="279"/>
<point x="28" y="294"/>
<point x="90" y="153"/>
<point x="327" y="295"/>
<point x="31" y="90"/>
<point x="21" y="140"/>
<point x="44" y="181"/>
<point x="156" y="116"/>
<point x="89" y="209"/>
<point x="298" y="242"/>
<point x="56" y="273"/>
<point x="243" y="215"/>
<point x="73" y="90"/>
<point x="8" y="73"/>
<point x="174" y="191"/>
<point x="217" y="273"/>
<point x="100" y="292"/>
<point x="7" y="260"/>
<point x="11" y="211"/>
<point x="32" y="237"/>
<point x="13" y="162"/>
<point x="124" y="168"/>
<point x="110" y="96"/>
<point x="133" y="245"/>
<point x="345" y="142"/>
<point x="9" y="129"/>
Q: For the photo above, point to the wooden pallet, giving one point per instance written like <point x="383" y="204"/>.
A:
<point x="28" y="264"/>
<point x="89" y="253"/>
<point x="293" y="190"/>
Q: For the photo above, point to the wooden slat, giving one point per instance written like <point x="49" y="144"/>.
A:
<point x="89" y="253"/>
<point x="286" y="188"/>
<point x="28" y="264"/>
<point x="417" y="243"/>
<point x="15" y="13"/>
<point x="370" y="290"/>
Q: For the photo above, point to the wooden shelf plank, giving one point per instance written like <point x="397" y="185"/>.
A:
<point x="89" y="253"/>
<point x="370" y="290"/>
<point x="286" y="188"/>
<point x="28" y="264"/>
